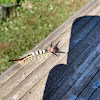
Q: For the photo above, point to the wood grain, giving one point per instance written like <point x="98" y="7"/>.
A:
<point x="61" y="29"/>
<point x="80" y="39"/>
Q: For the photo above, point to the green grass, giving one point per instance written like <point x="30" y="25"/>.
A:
<point x="6" y="1"/>
<point x="21" y="34"/>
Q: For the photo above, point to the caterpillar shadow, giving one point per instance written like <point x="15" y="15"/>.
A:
<point x="79" y="41"/>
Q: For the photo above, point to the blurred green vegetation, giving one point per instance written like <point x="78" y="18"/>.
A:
<point x="7" y="1"/>
<point x="19" y="35"/>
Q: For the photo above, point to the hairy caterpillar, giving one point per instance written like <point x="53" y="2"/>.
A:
<point x="33" y="55"/>
<point x="36" y="54"/>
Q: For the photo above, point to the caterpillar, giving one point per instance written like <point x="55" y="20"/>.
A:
<point x="54" y="50"/>
<point x="33" y="55"/>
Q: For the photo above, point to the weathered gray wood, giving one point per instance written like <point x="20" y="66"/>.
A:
<point x="35" y="92"/>
<point x="28" y="70"/>
<point x="94" y="10"/>
<point x="13" y="70"/>
<point x="30" y="76"/>
<point x="20" y="74"/>
<point x="32" y="93"/>
<point x="35" y="76"/>
<point x="92" y="86"/>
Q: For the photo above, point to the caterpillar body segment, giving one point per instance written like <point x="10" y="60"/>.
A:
<point x="33" y="55"/>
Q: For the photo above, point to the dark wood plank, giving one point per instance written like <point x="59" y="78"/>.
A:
<point x="84" y="32"/>
<point x="82" y="45"/>
<point x="96" y="95"/>
<point x="81" y="22"/>
<point x="90" y="88"/>
<point x="83" y="80"/>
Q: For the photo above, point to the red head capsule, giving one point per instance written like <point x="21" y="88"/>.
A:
<point x="52" y="50"/>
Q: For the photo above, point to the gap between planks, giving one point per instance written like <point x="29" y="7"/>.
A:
<point x="10" y="72"/>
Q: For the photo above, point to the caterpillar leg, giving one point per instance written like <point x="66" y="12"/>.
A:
<point x="20" y="62"/>
<point x="48" y="53"/>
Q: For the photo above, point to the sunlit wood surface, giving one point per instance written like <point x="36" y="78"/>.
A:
<point x="71" y="76"/>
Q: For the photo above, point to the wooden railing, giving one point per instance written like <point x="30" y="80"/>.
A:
<point x="48" y="77"/>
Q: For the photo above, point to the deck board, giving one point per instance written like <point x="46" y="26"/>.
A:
<point x="76" y="53"/>
<point x="92" y="87"/>
<point x="59" y="88"/>
<point x="96" y="95"/>
<point x="84" y="11"/>
<point x="83" y="80"/>
<point x="59" y="78"/>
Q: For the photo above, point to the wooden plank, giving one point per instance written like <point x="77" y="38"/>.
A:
<point x="80" y="23"/>
<point x="94" y="11"/>
<point x="13" y="70"/>
<point x="62" y="80"/>
<point x="76" y="63"/>
<point x="39" y="91"/>
<point x="36" y="92"/>
<point x="35" y="76"/>
<point x="25" y="71"/>
<point x="32" y="93"/>
<point x="81" y="46"/>
<point x="90" y="88"/>
<point x="83" y="81"/>
<point x="84" y="32"/>
<point x="96" y="95"/>
<point x="6" y="88"/>
<point x="75" y="78"/>
<point x="86" y="42"/>
<point x="64" y="77"/>
<point x="34" y="97"/>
